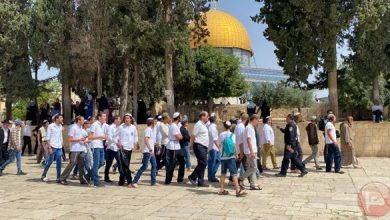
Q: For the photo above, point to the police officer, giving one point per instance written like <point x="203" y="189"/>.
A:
<point x="290" y="151"/>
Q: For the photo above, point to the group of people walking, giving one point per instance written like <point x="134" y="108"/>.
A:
<point x="166" y="142"/>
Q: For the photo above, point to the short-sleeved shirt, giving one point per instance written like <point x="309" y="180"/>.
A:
<point x="250" y="133"/>
<point x="163" y="130"/>
<point x="98" y="129"/>
<point x="330" y="126"/>
<point x="54" y="135"/>
<point x="268" y="135"/>
<point x="128" y="136"/>
<point x="112" y="137"/>
<point x="76" y="132"/>
<point x="173" y="143"/>
<point x="222" y="137"/>
<point x="239" y="133"/>
<point x="201" y="133"/>
<point x="149" y="133"/>
<point x="213" y="136"/>
<point x="43" y="132"/>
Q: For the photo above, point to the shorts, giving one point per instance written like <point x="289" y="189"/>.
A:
<point x="229" y="164"/>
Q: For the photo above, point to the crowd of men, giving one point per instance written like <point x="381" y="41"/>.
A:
<point x="166" y="142"/>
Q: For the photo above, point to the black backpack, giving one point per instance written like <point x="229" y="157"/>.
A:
<point x="322" y="124"/>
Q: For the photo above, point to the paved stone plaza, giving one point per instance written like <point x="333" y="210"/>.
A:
<point x="316" y="196"/>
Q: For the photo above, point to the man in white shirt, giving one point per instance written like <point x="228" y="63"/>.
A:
<point x="148" y="155"/>
<point x="54" y="147"/>
<point x="200" y="143"/>
<point x="239" y="133"/>
<point x="76" y="140"/>
<point x="173" y="151"/>
<point x="112" y="147"/>
<point x="250" y="151"/>
<point x="27" y="133"/>
<point x="127" y="140"/>
<point x="268" y="142"/>
<point x="163" y="131"/>
<point x="97" y="135"/>
<point x="214" y="152"/>
<point x="333" y="146"/>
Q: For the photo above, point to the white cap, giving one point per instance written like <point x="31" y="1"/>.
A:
<point x="296" y="113"/>
<point x="313" y="118"/>
<point x="228" y="123"/>
<point x="213" y="114"/>
<point x="128" y="114"/>
<point x="176" y="114"/>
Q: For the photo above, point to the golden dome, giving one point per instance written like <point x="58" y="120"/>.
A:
<point x="225" y="32"/>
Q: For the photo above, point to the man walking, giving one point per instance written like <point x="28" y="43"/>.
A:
<point x="15" y="148"/>
<point x="214" y="153"/>
<point x="173" y="151"/>
<point x="42" y="142"/>
<point x="332" y="146"/>
<point x="163" y="130"/>
<point x="312" y="135"/>
<point x="77" y="140"/>
<point x="268" y="142"/>
<point x="4" y="140"/>
<point x="27" y="133"/>
<point x="250" y="151"/>
<point x="54" y="147"/>
<point x="112" y="149"/>
<point x="128" y="138"/>
<point x="200" y="143"/>
<point x="97" y="135"/>
<point x="290" y="151"/>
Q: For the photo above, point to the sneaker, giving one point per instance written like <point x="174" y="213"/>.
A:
<point x="64" y="182"/>
<point x="108" y="181"/>
<point x="303" y="173"/>
<point x="58" y="181"/>
<point x="134" y="185"/>
<point x="319" y="168"/>
<point x="193" y="182"/>
<point x="20" y="173"/>
<point x="156" y="184"/>
<point x="45" y="179"/>
<point x="280" y="175"/>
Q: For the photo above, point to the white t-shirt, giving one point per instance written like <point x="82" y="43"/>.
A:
<point x="156" y="132"/>
<point x="112" y="137"/>
<point x="76" y="132"/>
<point x="222" y="138"/>
<point x="149" y="133"/>
<point x="239" y="133"/>
<point x="54" y="135"/>
<point x="173" y="144"/>
<point x="27" y="131"/>
<point x="85" y="134"/>
<point x="250" y="133"/>
<point x="163" y="130"/>
<point x="128" y="136"/>
<point x="201" y="134"/>
<point x="98" y="129"/>
<point x="213" y="136"/>
<point x="5" y="131"/>
<point x="330" y="126"/>
<point x="268" y="135"/>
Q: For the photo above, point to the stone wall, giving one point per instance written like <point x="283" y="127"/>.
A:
<point x="371" y="139"/>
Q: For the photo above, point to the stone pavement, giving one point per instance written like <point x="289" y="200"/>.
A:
<point x="317" y="196"/>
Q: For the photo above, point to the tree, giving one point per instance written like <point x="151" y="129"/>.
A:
<point x="173" y="23"/>
<point x="368" y="42"/>
<point x="15" y="74"/>
<point x="306" y="34"/>
<point x="278" y="96"/>
<point x="219" y="75"/>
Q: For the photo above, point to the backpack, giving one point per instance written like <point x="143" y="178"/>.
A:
<point x="228" y="147"/>
<point x="322" y="124"/>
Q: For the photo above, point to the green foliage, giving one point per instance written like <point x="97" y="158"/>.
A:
<point x="219" y="74"/>
<point x="48" y="91"/>
<point x="278" y="96"/>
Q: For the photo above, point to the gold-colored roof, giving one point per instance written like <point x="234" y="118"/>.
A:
<point x="225" y="32"/>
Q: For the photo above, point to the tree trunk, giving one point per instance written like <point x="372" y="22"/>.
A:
<point x="168" y="64"/>
<point x="375" y="90"/>
<point x="137" y="72"/>
<point x="169" y="80"/>
<point x="8" y="108"/>
<point x="125" y="86"/>
<point x="99" y="85"/>
<point x="332" y="78"/>
<point x="210" y="105"/>
<point x="36" y="68"/>
<point x="66" y="103"/>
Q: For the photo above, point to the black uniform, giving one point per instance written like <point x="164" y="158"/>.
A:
<point x="3" y="146"/>
<point x="291" y="139"/>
